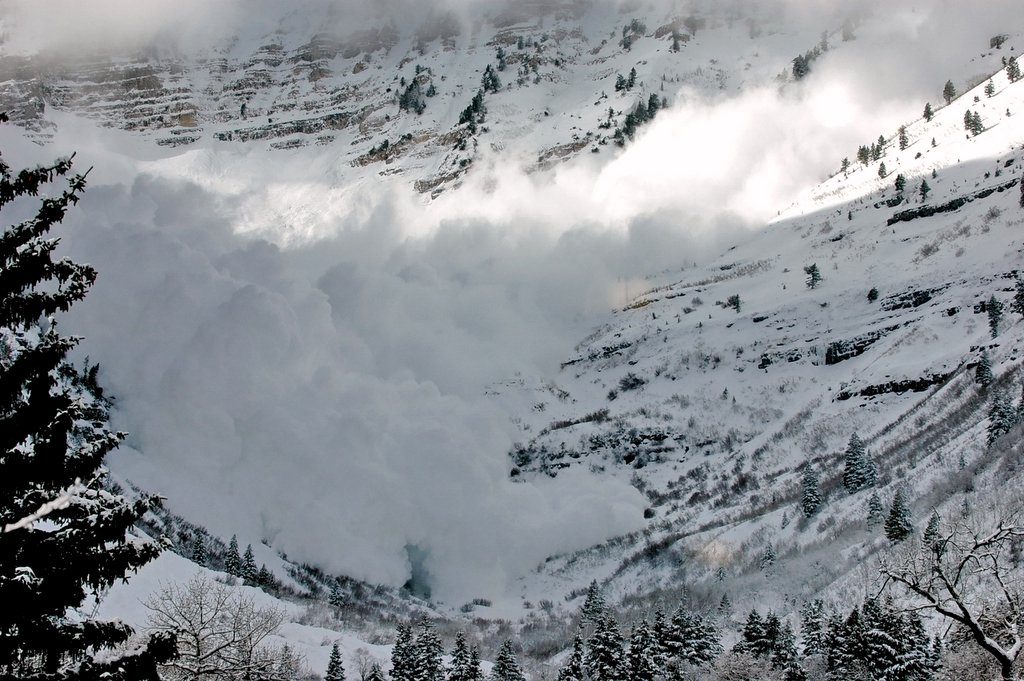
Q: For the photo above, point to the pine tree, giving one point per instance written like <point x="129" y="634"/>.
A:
<point x="233" y="561"/>
<point x="949" y="92"/>
<point x="898" y="526"/>
<point x="461" y="669"/>
<point x="1001" y="416"/>
<point x="335" y="669"/>
<point x="54" y="434"/>
<point x="573" y="669"/>
<point x="632" y="79"/>
<point x="860" y="470"/>
<point x="924" y="189"/>
<point x="928" y="113"/>
<point x="872" y="294"/>
<point x="904" y="141"/>
<point x="336" y="599"/>
<point x="767" y="559"/>
<point x="901" y="183"/>
<point x="604" y="659"/>
<point x="427" y="654"/>
<point x="505" y="666"/>
<point x="813" y="275"/>
<point x="199" y="555"/>
<point x="875" y="511"/>
<point x="756" y="637"/>
<point x="249" y="569"/>
<point x="880" y="645"/>
<point x="476" y="671"/>
<point x="812" y="632"/>
<point x="690" y="639"/>
<point x="661" y="630"/>
<point x="990" y="88"/>
<point x="882" y="172"/>
<point x="1017" y="305"/>
<point x="983" y="372"/>
<point x="264" y="577"/>
<point x="593" y="604"/>
<point x="784" y="655"/>
<point x="1013" y="70"/>
<point x="931" y="532"/>
<point x="810" y="501"/>
<point x="403" y="661"/>
<point x="375" y="673"/>
<point x="995" y="315"/>
<point x="642" y="661"/>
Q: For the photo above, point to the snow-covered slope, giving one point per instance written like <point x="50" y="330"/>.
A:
<point x="714" y="412"/>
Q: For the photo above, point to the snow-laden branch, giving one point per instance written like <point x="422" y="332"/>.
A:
<point x="60" y="503"/>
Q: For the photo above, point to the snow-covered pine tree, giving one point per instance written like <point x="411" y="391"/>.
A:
<point x="846" y="652"/>
<point x="881" y="646"/>
<point x="1013" y="70"/>
<point x="859" y="472"/>
<point x="54" y="434"/>
<point x="904" y="141"/>
<point x="198" y="555"/>
<point x="767" y="559"/>
<point x="983" y="372"/>
<point x="506" y="668"/>
<point x="232" y="559"/>
<point x="335" y="668"/>
<point x="249" y="569"/>
<point x="882" y="171"/>
<point x="784" y="656"/>
<point x="995" y="315"/>
<point x="901" y="183"/>
<point x="427" y="654"/>
<point x="660" y="628"/>
<point x="875" y="510"/>
<point x="642" y="659"/>
<point x="264" y="577"/>
<point x="593" y="604"/>
<point x="813" y="275"/>
<point x="949" y="91"/>
<point x="461" y="666"/>
<point x="691" y="639"/>
<point x="754" y="639"/>
<point x="928" y="112"/>
<point x="990" y="88"/>
<point x="336" y="599"/>
<point x="931" y="531"/>
<point x="898" y="525"/>
<point x="810" y="500"/>
<point x="914" y="660"/>
<point x="475" y="670"/>
<point x="403" y="655"/>
<point x="375" y="673"/>
<point x="812" y="631"/>
<point x="1001" y="416"/>
<point x="604" y="652"/>
<point x="573" y="669"/>
<point x="1017" y="305"/>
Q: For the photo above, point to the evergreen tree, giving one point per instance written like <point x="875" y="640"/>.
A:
<point x="505" y="666"/>
<point x="983" y="372"/>
<point x="620" y="83"/>
<point x="904" y="141"/>
<point x="403" y="659"/>
<point x="660" y="629"/>
<point x="864" y="154"/>
<point x="758" y="637"/>
<point x="427" y="654"/>
<point x="490" y="80"/>
<point x="875" y="510"/>
<point x="642" y="660"/>
<point x="845" y="165"/>
<point x="882" y="172"/>
<point x="931" y="532"/>
<point x="249" y="569"/>
<point x="335" y="669"/>
<point x="784" y="655"/>
<point x="725" y="605"/>
<point x="573" y="669"/>
<point x="690" y="640"/>
<point x="462" y="661"/>
<point x="846" y="650"/>
<point x="995" y="315"/>
<point x="812" y="631"/>
<point x="767" y="559"/>
<point x="1001" y="416"/>
<point x="337" y="596"/>
<point x="375" y="673"/>
<point x="54" y="434"/>
<point x="813" y="275"/>
<point x="631" y="81"/>
<point x="233" y="561"/>
<point x="1013" y="69"/>
<point x="1017" y="305"/>
<point x="604" y="659"/>
<point x="810" y="501"/>
<point x="873" y="294"/>
<point x="949" y="92"/>
<point x="593" y="604"/>
<point x="990" y="88"/>
<point x="928" y="113"/>
<point x="264" y="578"/>
<point x="199" y="555"/>
<point x="898" y="526"/>
<point x="860" y="470"/>
<point x="901" y="183"/>
<point x="924" y="189"/>
<point x="880" y="646"/>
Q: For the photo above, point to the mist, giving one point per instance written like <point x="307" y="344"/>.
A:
<point x="304" y="362"/>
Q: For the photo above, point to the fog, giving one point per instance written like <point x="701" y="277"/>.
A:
<point x="305" y="362"/>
